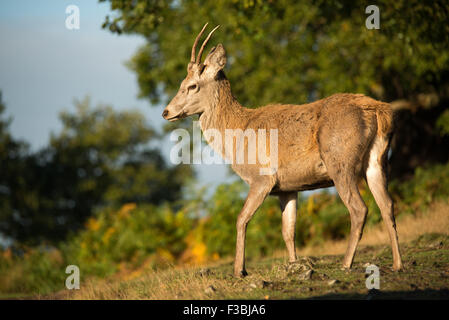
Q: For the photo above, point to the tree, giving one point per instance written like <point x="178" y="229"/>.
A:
<point x="100" y="159"/>
<point x="14" y="159"/>
<point x="298" y="51"/>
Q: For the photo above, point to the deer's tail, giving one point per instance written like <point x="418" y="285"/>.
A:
<point x="384" y="114"/>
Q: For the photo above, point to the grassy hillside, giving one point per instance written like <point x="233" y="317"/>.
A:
<point x="139" y="251"/>
<point x="426" y="274"/>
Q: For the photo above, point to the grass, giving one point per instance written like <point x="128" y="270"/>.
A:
<point x="434" y="219"/>
<point x="424" y="245"/>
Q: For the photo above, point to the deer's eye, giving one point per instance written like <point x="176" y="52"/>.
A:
<point x="192" y="87"/>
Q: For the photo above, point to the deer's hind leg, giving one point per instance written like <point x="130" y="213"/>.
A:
<point x="347" y="188"/>
<point x="288" y="208"/>
<point x="343" y="150"/>
<point x="346" y="180"/>
<point x="377" y="182"/>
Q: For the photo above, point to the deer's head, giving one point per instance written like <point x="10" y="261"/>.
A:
<point x="201" y="81"/>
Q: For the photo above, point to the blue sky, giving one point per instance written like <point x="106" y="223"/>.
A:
<point x="44" y="67"/>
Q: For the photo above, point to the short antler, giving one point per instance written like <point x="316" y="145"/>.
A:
<point x="200" y="53"/>
<point x="192" y="56"/>
<point x="197" y="61"/>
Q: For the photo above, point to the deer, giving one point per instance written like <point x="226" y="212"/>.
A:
<point x="336" y="141"/>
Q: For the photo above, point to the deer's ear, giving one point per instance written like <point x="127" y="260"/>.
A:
<point x="215" y="61"/>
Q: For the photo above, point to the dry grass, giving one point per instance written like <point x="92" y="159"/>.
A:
<point x="172" y="283"/>
<point x="434" y="220"/>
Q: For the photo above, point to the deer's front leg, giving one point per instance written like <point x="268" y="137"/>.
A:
<point x="257" y="194"/>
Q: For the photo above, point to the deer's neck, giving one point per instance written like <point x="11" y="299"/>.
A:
<point x="224" y="111"/>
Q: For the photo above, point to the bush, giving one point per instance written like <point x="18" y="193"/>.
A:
<point x="264" y="230"/>
<point x="31" y="271"/>
<point x="127" y="240"/>
<point x="427" y="185"/>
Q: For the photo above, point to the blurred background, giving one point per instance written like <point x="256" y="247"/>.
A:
<point x="85" y="175"/>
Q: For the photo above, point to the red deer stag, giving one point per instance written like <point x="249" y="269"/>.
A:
<point x="333" y="141"/>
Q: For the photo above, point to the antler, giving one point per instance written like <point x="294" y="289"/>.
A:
<point x="200" y="53"/>
<point x="192" y="56"/>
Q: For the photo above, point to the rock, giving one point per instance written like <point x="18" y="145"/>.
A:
<point x="296" y="268"/>
<point x="308" y="261"/>
<point x="307" y="275"/>
<point x="261" y="284"/>
<point x="436" y="245"/>
<point x="333" y="282"/>
<point x="210" y="290"/>
<point x="299" y="267"/>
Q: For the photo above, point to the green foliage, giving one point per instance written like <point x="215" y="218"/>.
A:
<point x="287" y="50"/>
<point x="128" y="241"/>
<point x="108" y="153"/>
<point x="443" y="123"/>
<point x="428" y="185"/>
<point x="320" y="217"/>
<point x="264" y="230"/>
<point x="101" y="158"/>
<point x="129" y="237"/>
<point x="34" y="271"/>
<point x="14" y="162"/>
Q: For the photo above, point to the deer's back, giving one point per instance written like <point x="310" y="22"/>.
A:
<point x="306" y="131"/>
<point x="299" y="125"/>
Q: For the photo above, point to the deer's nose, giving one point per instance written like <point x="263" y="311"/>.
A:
<point x="165" y="113"/>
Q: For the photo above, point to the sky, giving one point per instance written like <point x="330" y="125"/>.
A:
<point x="44" y="67"/>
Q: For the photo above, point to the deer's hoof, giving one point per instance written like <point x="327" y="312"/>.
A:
<point x="398" y="268"/>
<point x="240" y="274"/>
<point x="346" y="269"/>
